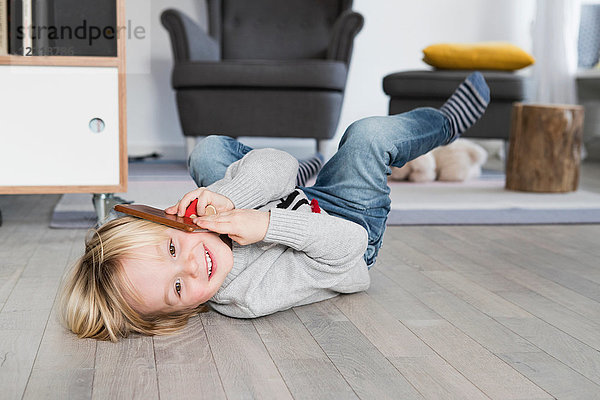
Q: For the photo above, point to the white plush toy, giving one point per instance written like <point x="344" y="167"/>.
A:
<point x="458" y="161"/>
<point x="421" y="169"/>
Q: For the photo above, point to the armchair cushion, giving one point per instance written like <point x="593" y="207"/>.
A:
<point x="188" y="40"/>
<point x="276" y="29"/>
<point x="305" y="74"/>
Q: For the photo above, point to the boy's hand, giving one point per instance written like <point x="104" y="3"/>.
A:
<point x="205" y="197"/>
<point x="242" y="225"/>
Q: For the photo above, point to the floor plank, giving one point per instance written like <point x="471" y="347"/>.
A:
<point x="517" y="278"/>
<point x="557" y="256"/>
<point x="442" y="247"/>
<point x="529" y="302"/>
<point x="561" y="272"/>
<point x="64" y="364"/>
<point x="306" y="369"/>
<point x="484" y="369"/>
<point x="21" y="220"/>
<point x="397" y="301"/>
<point x="185" y="366"/>
<point x="584" y="252"/>
<point x="434" y="378"/>
<point x="484" y="329"/>
<point x="245" y="367"/>
<point x="125" y="370"/>
<point x="577" y="326"/>
<point x="482" y="299"/>
<point x="570" y="351"/>
<point x="431" y="375"/>
<point x="25" y="313"/>
<point x="368" y="372"/>
<point x="556" y="378"/>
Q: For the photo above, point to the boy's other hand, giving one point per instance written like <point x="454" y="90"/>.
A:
<point x="205" y="197"/>
<point x="244" y="226"/>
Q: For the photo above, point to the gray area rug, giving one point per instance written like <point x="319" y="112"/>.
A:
<point x="73" y="219"/>
<point x="482" y="201"/>
<point x="513" y="216"/>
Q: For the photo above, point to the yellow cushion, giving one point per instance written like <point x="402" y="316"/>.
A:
<point x="486" y="55"/>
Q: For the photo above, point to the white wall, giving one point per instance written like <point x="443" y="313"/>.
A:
<point x="152" y="122"/>
<point x="394" y="34"/>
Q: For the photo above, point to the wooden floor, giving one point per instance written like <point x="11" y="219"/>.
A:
<point x="458" y="312"/>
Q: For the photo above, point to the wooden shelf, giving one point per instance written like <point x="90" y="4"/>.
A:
<point x="67" y="61"/>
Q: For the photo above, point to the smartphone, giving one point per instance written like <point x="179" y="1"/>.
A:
<point x="159" y="216"/>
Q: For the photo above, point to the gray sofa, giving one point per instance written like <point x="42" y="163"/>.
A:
<point x="267" y="68"/>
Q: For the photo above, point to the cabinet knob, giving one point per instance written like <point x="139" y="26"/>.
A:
<point x="96" y="125"/>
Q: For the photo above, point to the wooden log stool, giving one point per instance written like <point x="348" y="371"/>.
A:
<point x="545" y="148"/>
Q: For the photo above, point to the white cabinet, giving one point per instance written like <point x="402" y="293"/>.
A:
<point x="59" y="127"/>
<point x="63" y="120"/>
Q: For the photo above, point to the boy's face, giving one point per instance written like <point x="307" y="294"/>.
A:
<point x="188" y="271"/>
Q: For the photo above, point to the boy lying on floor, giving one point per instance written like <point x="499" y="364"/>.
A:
<point x="273" y="245"/>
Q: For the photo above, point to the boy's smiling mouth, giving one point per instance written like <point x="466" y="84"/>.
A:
<point x="209" y="263"/>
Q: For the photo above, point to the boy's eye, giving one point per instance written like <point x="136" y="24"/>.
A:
<point x="178" y="287"/>
<point x="172" y="248"/>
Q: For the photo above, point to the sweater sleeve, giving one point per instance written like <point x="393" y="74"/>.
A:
<point x="261" y="176"/>
<point x="331" y="241"/>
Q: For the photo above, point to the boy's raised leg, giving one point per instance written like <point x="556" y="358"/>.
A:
<point x="353" y="183"/>
<point x="467" y="104"/>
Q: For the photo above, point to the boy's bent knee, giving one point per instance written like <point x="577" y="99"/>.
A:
<point x="364" y="132"/>
<point x="203" y="158"/>
<point x="209" y="146"/>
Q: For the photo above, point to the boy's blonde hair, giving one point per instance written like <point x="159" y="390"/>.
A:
<point x="93" y="296"/>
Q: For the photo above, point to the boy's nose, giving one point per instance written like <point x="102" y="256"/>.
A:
<point x="194" y="262"/>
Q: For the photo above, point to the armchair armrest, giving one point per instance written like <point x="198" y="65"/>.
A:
<point x="345" y="29"/>
<point x="188" y="40"/>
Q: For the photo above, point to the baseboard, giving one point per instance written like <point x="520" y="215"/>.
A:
<point x="167" y="152"/>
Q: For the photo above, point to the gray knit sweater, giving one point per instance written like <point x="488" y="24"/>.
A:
<point x="305" y="257"/>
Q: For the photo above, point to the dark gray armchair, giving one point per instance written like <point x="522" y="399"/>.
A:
<point x="269" y="68"/>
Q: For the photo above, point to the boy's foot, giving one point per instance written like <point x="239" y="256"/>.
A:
<point x="467" y="104"/>
<point x="308" y="168"/>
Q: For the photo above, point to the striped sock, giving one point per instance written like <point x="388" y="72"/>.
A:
<point x="467" y="104"/>
<point x="308" y="168"/>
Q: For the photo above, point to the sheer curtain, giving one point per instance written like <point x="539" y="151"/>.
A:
<point x="555" y="33"/>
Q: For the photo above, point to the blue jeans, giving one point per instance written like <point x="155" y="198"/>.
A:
<point x="353" y="183"/>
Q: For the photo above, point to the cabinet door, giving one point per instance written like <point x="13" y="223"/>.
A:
<point x="59" y="126"/>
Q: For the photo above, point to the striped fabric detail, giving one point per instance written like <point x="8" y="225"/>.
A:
<point x="307" y="169"/>
<point x="464" y="108"/>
